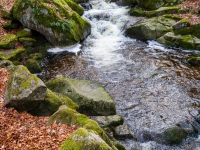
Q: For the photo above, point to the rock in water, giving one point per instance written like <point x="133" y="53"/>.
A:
<point x="24" y="90"/>
<point x="91" y="97"/>
<point x="58" y="20"/>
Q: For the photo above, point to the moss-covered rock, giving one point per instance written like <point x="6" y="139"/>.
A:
<point x="85" y="140"/>
<point x="122" y="132"/>
<point x="155" y="4"/>
<point x="183" y="23"/>
<point x="69" y="116"/>
<point x="151" y="29"/>
<point x="174" y="135"/>
<point x="51" y="104"/>
<point x="24" y="33"/>
<point x="195" y="30"/>
<point x="91" y="97"/>
<point x="57" y="20"/>
<point x="13" y="54"/>
<point x="6" y="14"/>
<point x="8" y="65"/>
<point x="10" y="24"/>
<point x="27" y="42"/>
<point x="33" y="66"/>
<point x="8" y="41"/>
<point x="108" y="121"/>
<point x="194" y="61"/>
<point x="36" y="56"/>
<point x="186" y="42"/>
<point x="24" y="90"/>
<point x="129" y="2"/>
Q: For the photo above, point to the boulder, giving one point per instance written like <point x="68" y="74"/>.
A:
<point x="108" y="121"/>
<point x="51" y="104"/>
<point x="59" y="20"/>
<point x="194" y="61"/>
<point x="183" y="23"/>
<point x="91" y="97"/>
<point x="24" y="90"/>
<point x="8" y="41"/>
<point x="66" y="115"/>
<point x="174" y="135"/>
<point x="13" y="54"/>
<point x="27" y="42"/>
<point x="122" y="132"/>
<point x="33" y="66"/>
<point x="150" y="29"/>
<point x="83" y="139"/>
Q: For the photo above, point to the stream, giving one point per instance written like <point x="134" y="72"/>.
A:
<point x="152" y="85"/>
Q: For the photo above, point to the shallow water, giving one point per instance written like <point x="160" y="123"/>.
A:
<point x="152" y="85"/>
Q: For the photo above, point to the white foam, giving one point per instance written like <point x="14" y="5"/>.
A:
<point x="72" y="49"/>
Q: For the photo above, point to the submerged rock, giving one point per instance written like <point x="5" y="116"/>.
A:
<point x="91" y="97"/>
<point x="59" y="20"/>
<point x="24" y="90"/>
<point x="174" y="135"/>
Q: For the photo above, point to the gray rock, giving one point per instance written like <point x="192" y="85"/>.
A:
<point x="108" y="121"/>
<point x="122" y="132"/>
<point x="24" y="91"/>
<point x="91" y="97"/>
<point x="150" y="29"/>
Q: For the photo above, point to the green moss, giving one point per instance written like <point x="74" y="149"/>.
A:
<point x="68" y="116"/>
<point x="10" y="25"/>
<point x="33" y="66"/>
<point x="119" y="146"/>
<point x="8" y="41"/>
<point x="186" y="42"/>
<point x="36" y="56"/>
<point x="24" y="33"/>
<point x="15" y="54"/>
<point x="174" y="135"/>
<point x="195" y="30"/>
<point x="6" y="14"/>
<point x="84" y="140"/>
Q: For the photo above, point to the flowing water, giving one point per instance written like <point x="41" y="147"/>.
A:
<point x="152" y="85"/>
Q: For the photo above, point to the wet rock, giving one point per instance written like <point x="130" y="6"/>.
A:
<point x="8" y="41"/>
<point x="33" y="66"/>
<point x="144" y="136"/>
<point x="150" y="29"/>
<point x="86" y="6"/>
<point x="186" y="126"/>
<point x="122" y="132"/>
<point x="24" y="90"/>
<point x="174" y="135"/>
<point x="59" y="21"/>
<point x="108" y="121"/>
<point x="91" y="97"/>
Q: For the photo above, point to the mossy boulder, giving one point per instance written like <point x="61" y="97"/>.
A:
<point x="68" y="116"/>
<point x="155" y="4"/>
<point x="174" y="135"/>
<point x="33" y="66"/>
<point x="24" y="90"/>
<point x="8" y="41"/>
<point x="108" y="121"/>
<point x="186" y="42"/>
<point x="83" y="139"/>
<point x="6" y="14"/>
<point x="51" y="104"/>
<point x="122" y="132"/>
<point x="36" y="56"/>
<point x="195" y="30"/>
<point x="24" y="33"/>
<point x="194" y="61"/>
<point x="150" y="29"/>
<point x="59" y="20"/>
<point x="27" y="42"/>
<point x="91" y="97"/>
<point x="183" y="23"/>
<point x="8" y="65"/>
<point x="13" y="54"/>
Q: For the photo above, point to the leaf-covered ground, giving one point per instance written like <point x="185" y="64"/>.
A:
<point x="24" y="131"/>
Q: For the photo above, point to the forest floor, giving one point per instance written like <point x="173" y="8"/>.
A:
<point x="24" y="131"/>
